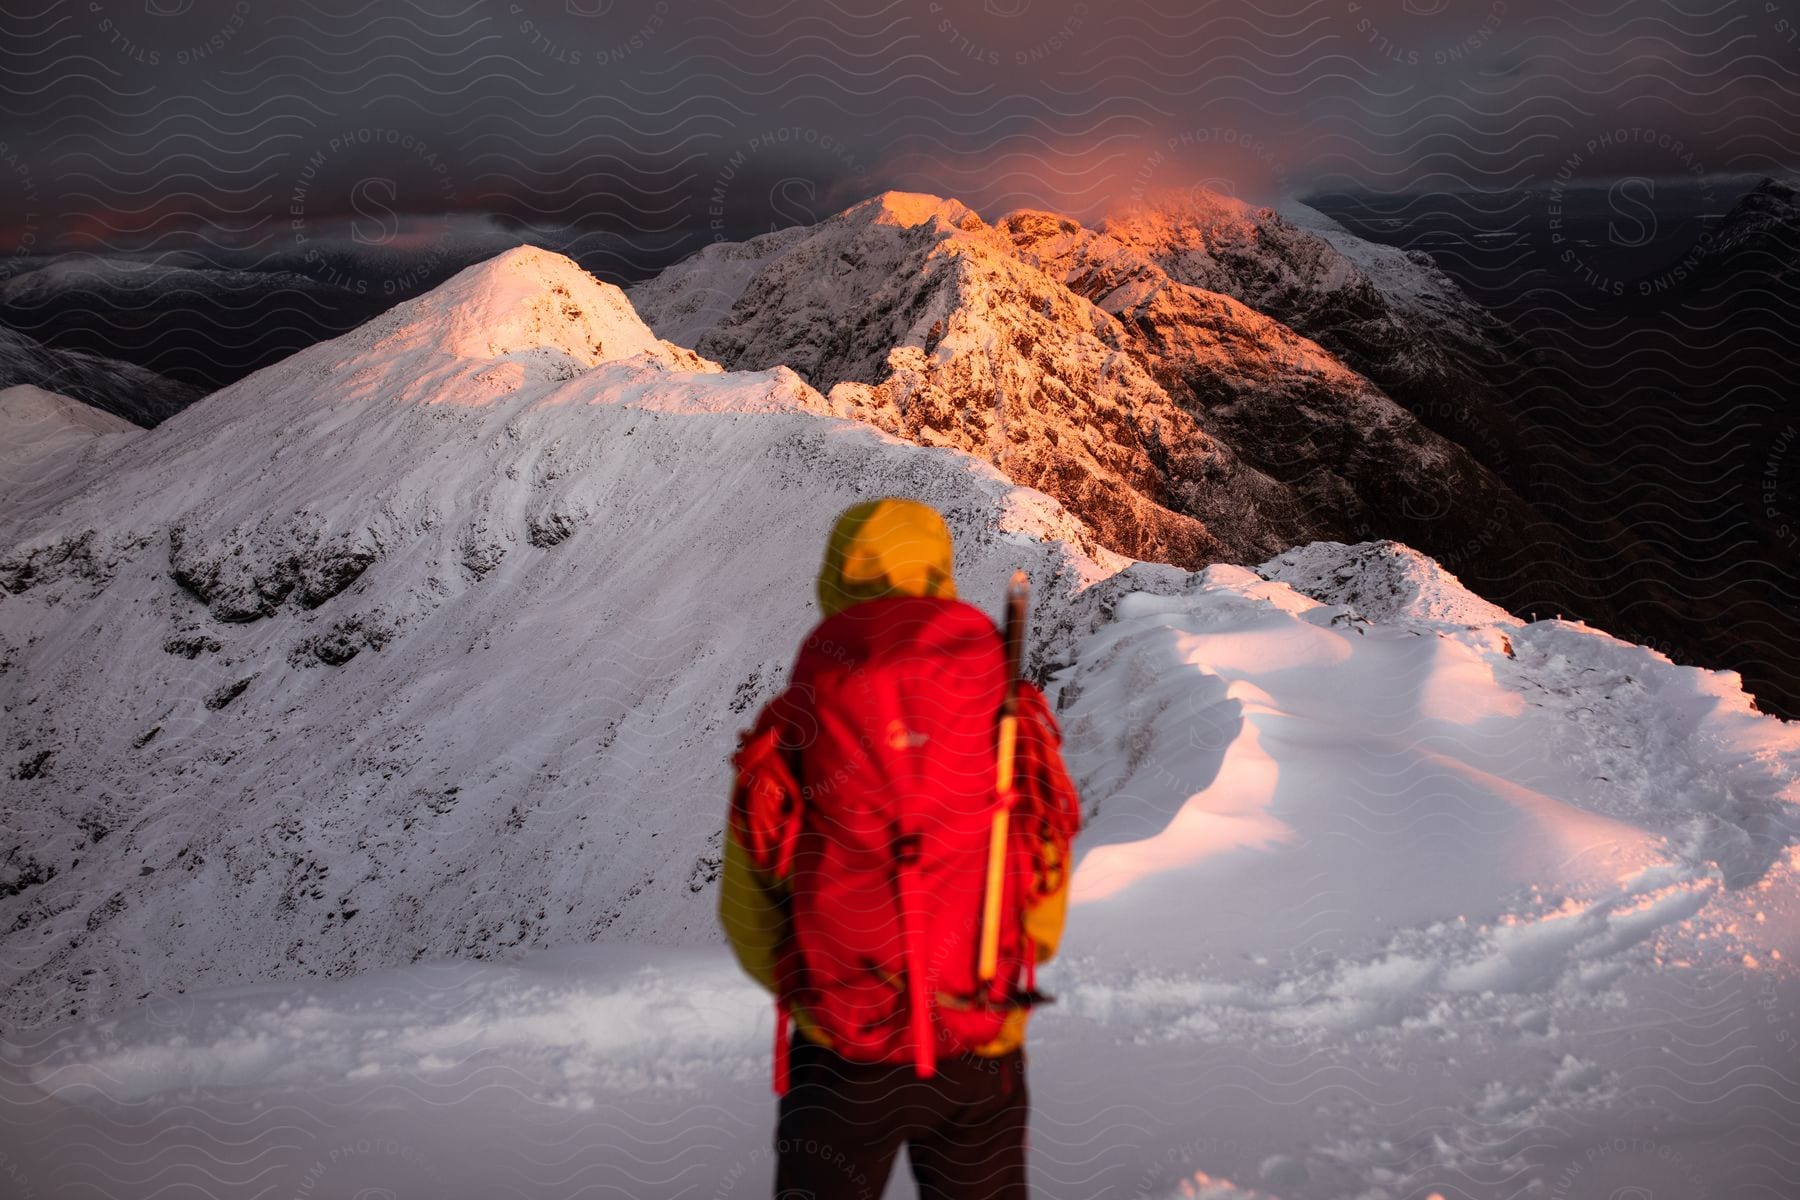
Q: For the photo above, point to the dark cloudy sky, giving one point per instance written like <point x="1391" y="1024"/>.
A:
<point x="130" y="121"/>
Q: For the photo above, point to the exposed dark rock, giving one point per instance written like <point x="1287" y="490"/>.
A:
<point x="481" y="555"/>
<point x="34" y="767"/>
<point x="343" y="641"/>
<point x="552" y="527"/>
<point x="231" y="691"/>
<point x="191" y="645"/>
<point x="73" y="557"/>
<point x="251" y="573"/>
<point x="19" y="871"/>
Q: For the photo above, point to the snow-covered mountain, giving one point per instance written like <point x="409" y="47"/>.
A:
<point x="1202" y="427"/>
<point x="365" y="731"/>
<point x="123" y="389"/>
<point x="915" y="315"/>
<point x="1389" y="314"/>
<point x="212" y="313"/>
<point x="210" y="306"/>
<point x="1759" y="235"/>
<point x="45" y="437"/>
<point x="422" y="641"/>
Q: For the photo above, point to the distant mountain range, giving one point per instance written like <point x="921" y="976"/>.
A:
<point x="1137" y="372"/>
<point x="120" y="388"/>
<point x="1197" y="378"/>
<point x="429" y="641"/>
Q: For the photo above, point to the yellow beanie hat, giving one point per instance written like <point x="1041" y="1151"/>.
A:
<point x="886" y="547"/>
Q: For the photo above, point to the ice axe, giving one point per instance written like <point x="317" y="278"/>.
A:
<point x="1018" y="594"/>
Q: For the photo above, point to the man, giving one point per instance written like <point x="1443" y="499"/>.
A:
<point x="893" y="875"/>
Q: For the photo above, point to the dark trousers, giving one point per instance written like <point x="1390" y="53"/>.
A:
<point x="842" y="1123"/>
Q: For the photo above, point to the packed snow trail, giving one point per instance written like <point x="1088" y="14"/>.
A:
<point x="1363" y="912"/>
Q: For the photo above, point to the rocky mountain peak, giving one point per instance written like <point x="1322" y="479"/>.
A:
<point x="907" y="210"/>
<point x="1186" y="214"/>
<point x="1182" y="421"/>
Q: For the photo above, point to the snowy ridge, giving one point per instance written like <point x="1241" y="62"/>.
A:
<point x="1416" y="823"/>
<point x="531" y="301"/>
<point x="1409" y="280"/>
<point x="1178" y="422"/>
<point x="1390" y="315"/>
<point x="692" y="301"/>
<point x="1353" y="458"/>
<point x="470" y="593"/>
<point x="58" y="278"/>
<point x="962" y="345"/>
<point x="1755" y="241"/>
<point x="366" y="730"/>
<point x="120" y="388"/>
<point x="42" y="435"/>
<point x="1382" y="581"/>
<point x="212" y="311"/>
<point x="1263" y="764"/>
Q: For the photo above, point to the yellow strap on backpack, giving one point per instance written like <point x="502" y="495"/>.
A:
<point x="989" y="961"/>
<point x="996" y="872"/>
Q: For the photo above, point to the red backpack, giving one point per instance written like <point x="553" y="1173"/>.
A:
<point x="867" y="790"/>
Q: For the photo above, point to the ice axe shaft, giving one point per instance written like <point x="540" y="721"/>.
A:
<point x="1017" y="594"/>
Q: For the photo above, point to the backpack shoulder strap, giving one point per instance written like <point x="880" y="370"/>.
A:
<point x="766" y="798"/>
<point x="1049" y="802"/>
<point x="764" y="817"/>
<point x="909" y="883"/>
